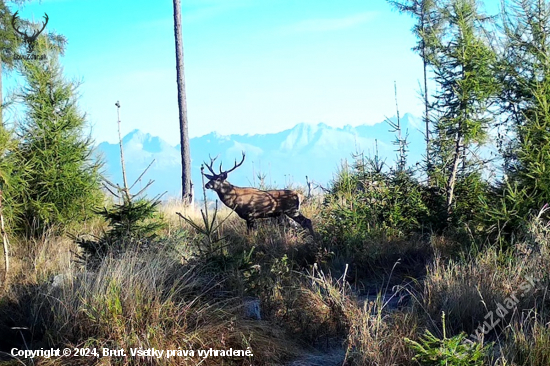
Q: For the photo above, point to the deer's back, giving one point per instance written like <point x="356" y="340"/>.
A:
<point x="252" y="202"/>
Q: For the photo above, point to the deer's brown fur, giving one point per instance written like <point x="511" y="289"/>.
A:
<point x="251" y="203"/>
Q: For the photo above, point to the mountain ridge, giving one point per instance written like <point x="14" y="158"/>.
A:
<point x="283" y="158"/>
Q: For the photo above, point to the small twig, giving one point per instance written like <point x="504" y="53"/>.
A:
<point x="326" y="190"/>
<point x="24" y="341"/>
<point x="126" y="191"/>
<point x="142" y="174"/>
<point x="111" y="183"/>
<point x="344" y="280"/>
<point x="203" y="185"/>
<point x="144" y="188"/>
<point x="110" y="191"/>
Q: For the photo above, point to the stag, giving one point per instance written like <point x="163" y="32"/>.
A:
<point x="28" y="39"/>
<point x="251" y="203"/>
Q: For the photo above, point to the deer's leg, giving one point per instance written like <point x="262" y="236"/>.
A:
<point x="284" y="221"/>
<point x="302" y="220"/>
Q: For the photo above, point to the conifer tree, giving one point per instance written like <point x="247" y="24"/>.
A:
<point x="427" y="30"/>
<point x="525" y="104"/>
<point x="61" y="176"/>
<point x="463" y="66"/>
<point x="10" y="41"/>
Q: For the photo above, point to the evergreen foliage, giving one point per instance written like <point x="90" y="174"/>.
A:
<point x="8" y="163"/>
<point x="464" y="72"/>
<point x="60" y="179"/>
<point x="453" y="351"/>
<point x="367" y="200"/>
<point x="132" y="225"/>
<point x="525" y="113"/>
<point x="10" y="42"/>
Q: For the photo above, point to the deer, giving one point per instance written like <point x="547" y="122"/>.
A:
<point x="250" y="203"/>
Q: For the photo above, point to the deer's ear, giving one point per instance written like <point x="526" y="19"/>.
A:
<point x="223" y="176"/>
<point x="208" y="176"/>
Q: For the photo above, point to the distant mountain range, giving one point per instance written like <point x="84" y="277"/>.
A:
<point x="284" y="158"/>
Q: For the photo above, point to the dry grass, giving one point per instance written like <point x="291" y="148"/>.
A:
<point x="313" y="306"/>
<point x="377" y="337"/>
<point x="528" y="341"/>
<point x="324" y="311"/>
<point x="138" y="300"/>
<point x="471" y="290"/>
<point x="150" y="301"/>
<point x="468" y="290"/>
<point x="36" y="261"/>
<point x="166" y="301"/>
<point x="193" y="212"/>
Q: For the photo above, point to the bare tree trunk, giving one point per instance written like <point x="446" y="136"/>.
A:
<point x="1" y="96"/>
<point x="401" y="165"/>
<point x="5" y="242"/>
<point x="426" y="113"/>
<point x="426" y="100"/>
<point x="186" y="190"/>
<point x="454" y="172"/>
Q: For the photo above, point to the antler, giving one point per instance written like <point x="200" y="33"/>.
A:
<point x="211" y="163"/>
<point x="46" y="18"/>
<point x="24" y="34"/>
<point x="13" y="19"/>
<point x="209" y="166"/>
<point x="236" y="165"/>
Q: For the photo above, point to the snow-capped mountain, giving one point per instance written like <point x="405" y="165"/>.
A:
<point x="284" y="158"/>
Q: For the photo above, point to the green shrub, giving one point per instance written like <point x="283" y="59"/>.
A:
<point x="132" y="225"/>
<point x="366" y="202"/>
<point x="453" y="351"/>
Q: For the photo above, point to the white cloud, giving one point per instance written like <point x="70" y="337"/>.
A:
<point x="328" y="24"/>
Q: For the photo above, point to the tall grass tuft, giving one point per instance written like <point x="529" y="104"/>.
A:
<point x="148" y="300"/>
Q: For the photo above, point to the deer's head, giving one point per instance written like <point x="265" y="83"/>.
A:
<point x="217" y="180"/>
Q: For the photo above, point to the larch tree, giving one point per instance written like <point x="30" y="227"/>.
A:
<point x="463" y="64"/>
<point x="524" y="74"/>
<point x="55" y="164"/>
<point x="10" y="44"/>
<point x="426" y="30"/>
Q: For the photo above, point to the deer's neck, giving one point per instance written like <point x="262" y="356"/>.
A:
<point x="225" y="190"/>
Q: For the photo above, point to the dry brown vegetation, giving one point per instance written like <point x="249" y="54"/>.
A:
<point x="170" y="297"/>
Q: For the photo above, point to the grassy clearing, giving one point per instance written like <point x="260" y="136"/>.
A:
<point x="172" y="297"/>
<point x="139" y="300"/>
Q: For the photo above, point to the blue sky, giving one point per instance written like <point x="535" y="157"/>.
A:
<point x="251" y="66"/>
